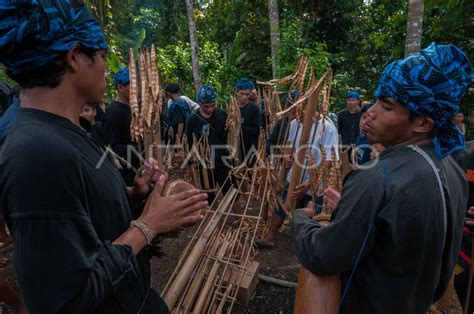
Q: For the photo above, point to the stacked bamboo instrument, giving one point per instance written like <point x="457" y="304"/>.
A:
<point x="315" y="294"/>
<point x="145" y="89"/>
<point x="208" y="275"/>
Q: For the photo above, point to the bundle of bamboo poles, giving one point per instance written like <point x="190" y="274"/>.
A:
<point x="234" y="129"/>
<point x="315" y="294"/>
<point x="146" y="102"/>
<point x="209" y="272"/>
<point x="297" y="78"/>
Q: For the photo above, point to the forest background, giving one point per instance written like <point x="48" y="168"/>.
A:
<point x="357" y="38"/>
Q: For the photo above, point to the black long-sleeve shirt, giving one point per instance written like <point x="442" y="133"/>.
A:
<point x="408" y="258"/>
<point x="279" y="134"/>
<point x="116" y="133"/>
<point x="251" y="122"/>
<point x="348" y="126"/>
<point x="65" y="204"/>
<point x="215" y="128"/>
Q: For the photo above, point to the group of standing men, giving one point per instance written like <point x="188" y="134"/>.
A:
<point x="80" y="242"/>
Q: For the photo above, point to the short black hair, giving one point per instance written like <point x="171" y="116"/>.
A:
<point x="49" y="74"/>
<point x="172" y="88"/>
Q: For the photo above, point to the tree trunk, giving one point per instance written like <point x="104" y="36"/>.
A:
<point x="414" y="27"/>
<point x="274" y="32"/>
<point x="194" y="45"/>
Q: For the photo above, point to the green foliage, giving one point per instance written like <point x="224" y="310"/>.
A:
<point x="357" y="38"/>
<point x="293" y="45"/>
<point x="450" y="21"/>
<point x="174" y="62"/>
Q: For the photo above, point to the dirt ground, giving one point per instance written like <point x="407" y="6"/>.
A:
<point x="7" y="273"/>
<point x="278" y="262"/>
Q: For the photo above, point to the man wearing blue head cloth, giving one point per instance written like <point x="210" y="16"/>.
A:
<point x="177" y="114"/>
<point x="77" y="246"/>
<point x="348" y="119"/>
<point x="210" y="121"/>
<point x="396" y="229"/>
<point x="251" y="120"/>
<point x="116" y="126"/>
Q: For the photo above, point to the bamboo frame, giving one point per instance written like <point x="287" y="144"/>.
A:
<point x="305" y="133"/>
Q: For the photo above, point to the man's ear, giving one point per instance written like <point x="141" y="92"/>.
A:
<point x="423" y="124"/>
<point x="73" y="58"/>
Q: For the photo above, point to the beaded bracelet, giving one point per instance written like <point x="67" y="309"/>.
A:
<point x="145" y="229"/>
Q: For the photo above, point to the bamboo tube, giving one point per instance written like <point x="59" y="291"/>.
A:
<point x="194" y="287"/>
<point x="148" y="143"/>
<point x="143" y="90"/>
<point x="317" y="294"/>
<point x="305" y="133"/>
<point x="179" y="282"/>
<point x="133" y="97"/>
<point x="224" y="298"/>
<point x="157" y="153"/>
<point x="210" y="278"/>
<point x="283" y="169"/>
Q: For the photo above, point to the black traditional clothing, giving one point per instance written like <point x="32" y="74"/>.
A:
<point x="348" y="126"/>
<point x="99" y="117"/>
<point x="393" y="211"/>
<point x="65" y="204"/>
<point x="215" y="127"/>
<point x="279" y="135"/>
<point x="250" y="115"/>
<point x="116" y="133"/>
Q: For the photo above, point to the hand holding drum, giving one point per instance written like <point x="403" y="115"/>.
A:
<point x="173" y="204"/>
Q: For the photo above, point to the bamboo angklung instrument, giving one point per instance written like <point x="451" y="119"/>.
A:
<point x="134" y="98"/>
<point x="311" y="107"/>
<point x="316" y="294"/>
<point x="180" y="281"/>
<point x="233" y="126"/>
<point x="146" y="117"/>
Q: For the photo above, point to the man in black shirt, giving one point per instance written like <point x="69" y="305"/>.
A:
<point x="279" y="134"/>
<point x="348" y="119"/>
<point x="77" y="247"/>
<point x="100" y="112"/>
<point x="177" y="114"/>
<point x="251" y="121"/>
<point x="396" y="230"/>
<point x="116" y="126"/>
<point x="210" y="121"/>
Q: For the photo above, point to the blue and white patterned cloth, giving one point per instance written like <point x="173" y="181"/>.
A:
<point x="206" y="95"/>
<point x="35" y="32"/>
<point x="353" y="94"/>
<point x="244" y="83"/>
<point x="122" y="77"/>
<point x="431" y="83"/>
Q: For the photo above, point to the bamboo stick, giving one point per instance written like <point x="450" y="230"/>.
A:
<point x="210" y="278"/>
<point x="133" y="97"/>
<point x="194" y="287"/>
<point x="224" y="298"/>
<point x="305" y="133"/>
<point x="176" y="287"/>
<point x="280" y="282"/>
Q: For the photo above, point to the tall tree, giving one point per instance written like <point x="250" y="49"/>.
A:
<point x="414" y="27"/>
<point x="274" y="32"/>
<point x="194" y="45"/>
